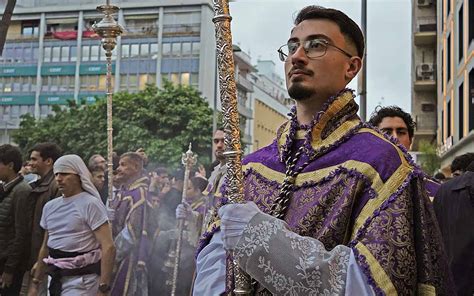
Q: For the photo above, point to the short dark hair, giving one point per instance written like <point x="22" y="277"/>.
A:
<point x="199" y="183"/>
<point x="346" y="25"/>
<point x="135" y="157"/>
<point x="96" y="168"/>
<point x="48" y="150"/>
<point x="470" y="167"/>
<point x="161" y="170"/>
<point x="439" y="176"/>
<point x="392" y="111"/>
<point x="461" y="162"/>
<point x="8" y="154"/>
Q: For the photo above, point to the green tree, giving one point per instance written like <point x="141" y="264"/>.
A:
<point x="429" y="159"/>
<point x="162" y="121"/>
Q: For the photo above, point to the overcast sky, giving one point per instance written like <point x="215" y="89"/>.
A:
<point x="262" y="26"/>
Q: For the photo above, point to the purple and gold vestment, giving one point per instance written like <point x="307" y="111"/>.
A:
<point x="131" y="239"/>
<point x="358" y="189"/>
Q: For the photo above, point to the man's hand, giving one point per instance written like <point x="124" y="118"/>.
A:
<point x="183" y="210"/>
<point x="7" y="279"/>
<point x="33" y="289"/>
<point x="234" y="219"/>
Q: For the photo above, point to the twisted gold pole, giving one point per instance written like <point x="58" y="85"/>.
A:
<point x="228" y="94"/>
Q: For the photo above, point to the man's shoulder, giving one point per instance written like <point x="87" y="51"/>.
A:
<point x="268" y="152"/>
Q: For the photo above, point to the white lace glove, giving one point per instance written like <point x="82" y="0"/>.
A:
<point x="234" y="219"/>
<point x="183" y="210"/>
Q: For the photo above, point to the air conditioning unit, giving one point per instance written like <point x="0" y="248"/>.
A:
<point x="425" y="71"/>
<point x="424" y="3"/>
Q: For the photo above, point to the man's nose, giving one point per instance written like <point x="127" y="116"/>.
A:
<point x="395" y="134"/>
<point x="299" y="55"/>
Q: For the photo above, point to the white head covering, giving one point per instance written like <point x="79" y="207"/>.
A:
<point x="73" y="164"/>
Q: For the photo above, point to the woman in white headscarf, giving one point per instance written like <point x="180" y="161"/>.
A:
<point x="78" y="249"/>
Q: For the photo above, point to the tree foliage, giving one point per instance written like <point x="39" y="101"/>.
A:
<point x="429" y="159"/>
<point x="161" y="121"/>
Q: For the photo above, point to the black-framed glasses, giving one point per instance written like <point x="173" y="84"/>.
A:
<point x="313" y="48"/>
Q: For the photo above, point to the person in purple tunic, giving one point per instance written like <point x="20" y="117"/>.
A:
<point x="129" y="228"/>
<point x="334" y="207"/>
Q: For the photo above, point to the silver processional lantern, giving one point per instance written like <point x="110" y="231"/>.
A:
<point x="108" y="29"/>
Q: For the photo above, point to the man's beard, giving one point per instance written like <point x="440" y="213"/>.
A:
<point x="299" y="92"/>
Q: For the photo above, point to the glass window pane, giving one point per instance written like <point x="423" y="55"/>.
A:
<point x="35" y="53"/>
<point x="185" y="78"/>
<point x="33" y="84"/>
<point x="194" y="79"/>
<point x="94" y="53"/>
<point x="123" y="81"/>
<point x="27" y="57"/>
<point x="134" y="50"/>
<point x="85" y="52"/>
<point x="65" y="54"/>
<point x="25" y="87"/>
<point x="55" y="54"/>
<point x="175" y="78"/>
<point x="47" y="54"/>
<point x="154" y="50"/>
<point x="176" y="49"/>
<point x="166" y="49"/>
<point x="186" y="50"/>
<point x="73" y="53"/>
<point x="151" y="79"/>
<point x="144" y="50"/>
<point x="132" y="82"/>
<point x="102" y="54"/>
<point x="196" y="48"/>
<point x="143" y="80"/>
<point x="125" y="51"/>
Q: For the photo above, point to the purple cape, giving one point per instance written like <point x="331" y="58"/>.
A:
<point x="360" y="190"/>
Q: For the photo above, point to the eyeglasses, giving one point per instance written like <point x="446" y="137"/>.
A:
<point x="313" y="49"/>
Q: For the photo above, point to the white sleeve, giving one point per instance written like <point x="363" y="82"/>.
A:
<point x="211" y="268"/>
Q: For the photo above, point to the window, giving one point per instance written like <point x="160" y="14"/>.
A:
<point x="196" y="48"/>
<point x="125" y="50"/>
<point x="142" y="81"/>
<point x="134" y="50"/>
<point x="25" y="87"/>
<point x="185" y="78"/>
<point x="30" y="28"/>
<point x="35" y="53"/>
<point x="85" y="52"/>
<point x="94" y="53"/>
<point x="27" y="54"/>
<point x="65" y="54"/>
<point x="449" y="59"/>
<point x="132" y="82"/>
<point x="33" y="84"/>
<point x="44" y="83"/>
<point x="151" y="79"/>
<point x="175" y="78"/>
<point x="186" y="48"/>
<point x="144" y="50"/>
<point x="166" y="49"/>
<point x="471" y="21"/>
<point x="102" y="57"/>
<point x="103" y="82"/>
<point x="176" y="49"/>
<point x="47" y="54"/>
<point x="460" y="33"/>
<point x="55" y="54"/>
<point x="53" y="83"/>
<point x="154" y="50"/>
<point x="73" y="53"/>
<point x="195" y="79"/>
<point x="449" y="119"/>
<point x="461" y="110"/>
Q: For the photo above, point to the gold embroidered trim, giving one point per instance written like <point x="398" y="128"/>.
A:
<point x="389" y="188"/>
<point x="426" y="290"/>
<point x="378" y="273"/>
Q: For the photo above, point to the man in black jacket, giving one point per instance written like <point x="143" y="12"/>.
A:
<point x="454" y="207"/>
<point x="16" y="211"/>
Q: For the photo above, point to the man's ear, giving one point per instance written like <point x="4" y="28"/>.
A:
<point x="49" y="161"/>
<point x="355" y="64"/>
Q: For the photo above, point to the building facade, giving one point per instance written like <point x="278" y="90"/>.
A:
<point x="52" y="54"/>
<point x="424" y="65"/>
<point x="455" y="44"/>
<point x="270" y="104"/>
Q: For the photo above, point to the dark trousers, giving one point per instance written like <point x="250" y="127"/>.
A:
<point x="15" y="287"/>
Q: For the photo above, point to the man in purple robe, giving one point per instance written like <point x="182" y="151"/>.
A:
<point x="334" y="206"/>
<point x="129" y="228"/>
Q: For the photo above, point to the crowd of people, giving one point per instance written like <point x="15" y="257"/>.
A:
<point x="333" y="206"/>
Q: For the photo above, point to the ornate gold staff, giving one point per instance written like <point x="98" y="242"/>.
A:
<point x="188" y="160"/>
<point x="109" y="30"/>
<point x="233" y="153"/>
